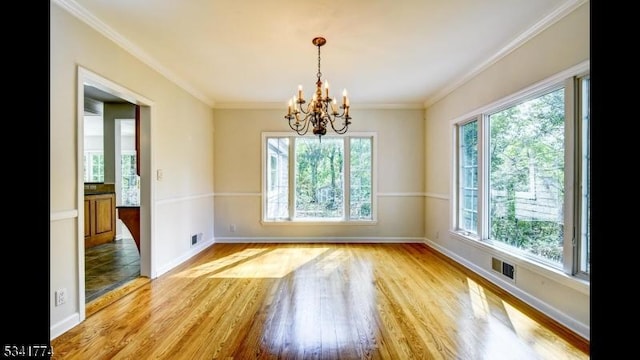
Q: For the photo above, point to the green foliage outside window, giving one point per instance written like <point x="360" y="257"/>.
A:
<point x="319" y="178"/>
<point x="360" y="196"/>
<point x="469" y="176"/>
<point x="130" y="194"/>
<point x="526" y="176"/>
<point x="93" y="167"/>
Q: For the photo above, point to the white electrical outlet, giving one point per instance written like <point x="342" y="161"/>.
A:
<point x="61" y="296"/>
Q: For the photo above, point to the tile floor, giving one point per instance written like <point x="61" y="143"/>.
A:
<point x="110" y="265"/>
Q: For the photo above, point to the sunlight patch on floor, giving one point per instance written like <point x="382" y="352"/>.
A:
<point x="257" y="263"/>
<point x="479" y="303"/>
<point x="531" y="332"/>
<point x="218" y="264"/>
<point x="273" y="264"/>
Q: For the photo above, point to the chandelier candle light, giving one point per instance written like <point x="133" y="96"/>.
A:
<point x="322" y="110"/>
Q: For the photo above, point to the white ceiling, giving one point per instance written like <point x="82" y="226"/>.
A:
<point x="232" y="53"/>
<point x="93" y="126"/>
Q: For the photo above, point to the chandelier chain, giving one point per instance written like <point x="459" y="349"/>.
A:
<point x="319" y="73"/>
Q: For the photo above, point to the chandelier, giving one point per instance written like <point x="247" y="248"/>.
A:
<point x="322" y="110"/>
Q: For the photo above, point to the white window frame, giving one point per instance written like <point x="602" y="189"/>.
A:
<point x="582" y="180"/>
<point x="569" y="79"/>
<point x="345" y="220"/>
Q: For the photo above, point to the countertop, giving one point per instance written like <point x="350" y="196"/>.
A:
<point x="89" y="193"/>
<point x="99" y="188"/>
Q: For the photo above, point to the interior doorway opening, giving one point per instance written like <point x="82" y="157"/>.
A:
<point x="115" y="155"/>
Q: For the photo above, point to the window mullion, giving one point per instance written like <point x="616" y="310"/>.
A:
<point x="346" y="183"/>
<point x="292" y="176"/>
<point x="570" y="181"/>
<point x="483" y="177"/>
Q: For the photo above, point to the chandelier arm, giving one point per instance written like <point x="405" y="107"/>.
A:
<point x="341" y="131"/>
<point x="303" y="111"/>
<point x="344" y="127"/>
<point x="301" y="126"/>
<point x="340" y="115"/>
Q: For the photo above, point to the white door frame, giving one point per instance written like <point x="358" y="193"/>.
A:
<point x="147" y="199"/>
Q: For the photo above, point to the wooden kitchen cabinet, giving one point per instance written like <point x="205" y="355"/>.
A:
<point x="99" y="219"/>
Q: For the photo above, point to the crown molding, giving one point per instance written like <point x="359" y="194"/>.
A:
<point x="282" y="106"/>
<point x="563" y="10"/>
<point x="84" y="15"/>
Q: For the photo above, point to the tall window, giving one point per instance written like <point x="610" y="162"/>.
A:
<point x="526" y="176"/>
<point x="468" y="172"/>
<point x="360" y="197"/>
<point x="331" y="178"/>
<point x="130" y="180"/>
<point x="277" y="196"/>
<point x="514" y="180"/>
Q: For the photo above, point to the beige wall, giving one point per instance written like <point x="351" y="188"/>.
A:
<point x="181" y="139"/>
<point x="111" y="113"/>
<point x="400" y="168"/>
<point x="559" y="47"/>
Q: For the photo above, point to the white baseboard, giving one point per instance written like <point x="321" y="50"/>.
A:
<point x="324" y="239"/>
<point x="63" y="326"/>
<point x="188" y="255"/>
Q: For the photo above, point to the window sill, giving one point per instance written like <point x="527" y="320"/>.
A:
<point x="318" y="223"/>
<point x="554" y="274"/>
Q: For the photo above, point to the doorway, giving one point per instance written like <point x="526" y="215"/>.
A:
<point x="133" y="258"/>
<point x="114" y="261"/>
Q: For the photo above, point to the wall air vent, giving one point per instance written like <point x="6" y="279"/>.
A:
<point x="196" y="238"/>
<point x="503" y="268"/>
<point x="508" y="270"/>
<point x="92" y="107"/>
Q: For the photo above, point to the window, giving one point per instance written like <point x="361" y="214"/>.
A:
<point x="277" y="198"/>
<point x="273" y="172"/>
<point x="468" y="160"/>
<point x="130" y="180"/>
<point x="93" y="166"/>
<point x="515" y="171"/>
<point x="332" y="178"/>
<point x="526" y="175"/>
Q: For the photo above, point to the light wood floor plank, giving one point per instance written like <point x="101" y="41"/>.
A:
<point x="318" y="301"/>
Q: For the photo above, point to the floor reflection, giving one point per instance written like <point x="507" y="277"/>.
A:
<point x="332" y="301"/>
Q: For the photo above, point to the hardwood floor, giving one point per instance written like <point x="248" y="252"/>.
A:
<point x="318" y="301"/>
